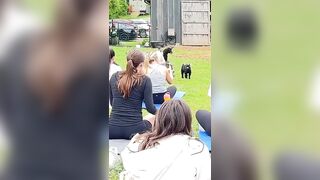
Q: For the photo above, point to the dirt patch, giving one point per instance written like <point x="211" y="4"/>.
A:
<point x="193" y="56"/>
<point x="190" y="48"/>
<point x="193" y="52"/>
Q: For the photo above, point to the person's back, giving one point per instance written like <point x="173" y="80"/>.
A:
<point x="126" y="111"/>
<point x="128" y="89"/>
<point x="157" y="74"/>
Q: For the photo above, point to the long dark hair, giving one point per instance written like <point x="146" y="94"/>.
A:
<point x="174" y="117"/>
<point x="111" y="55"/>
<point x="131" y="77"/>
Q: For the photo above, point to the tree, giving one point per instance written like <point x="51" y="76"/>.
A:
<point x="117" y="8"/>
<point x="113" y="9"/>
<point x="123" y="8"/>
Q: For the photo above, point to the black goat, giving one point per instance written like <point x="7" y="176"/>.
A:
<point x="166" y="51"/>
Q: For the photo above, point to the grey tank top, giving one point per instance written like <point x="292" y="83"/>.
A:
<point x="158" y="79"/>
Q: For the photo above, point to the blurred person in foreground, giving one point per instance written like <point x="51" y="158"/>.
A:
<point x="169" y="151"/>
<point x="54" y="96"/>
<point x="233" y="157"/>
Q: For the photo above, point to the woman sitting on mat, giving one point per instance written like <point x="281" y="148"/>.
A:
<point x="127" y="91"/>
<point x="160" y="76"/>
<point x="169" y="151"/>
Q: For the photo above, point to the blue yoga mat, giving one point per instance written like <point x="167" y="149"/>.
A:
<point x="205" y="138"/>
<point x="178" y="95"/>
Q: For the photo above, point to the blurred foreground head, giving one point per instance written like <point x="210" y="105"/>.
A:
<point x="73" y="46"/>
<point x="54" y="95"/>
<point x="75" y="13"/>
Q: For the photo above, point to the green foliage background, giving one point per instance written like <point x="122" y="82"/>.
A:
<point x="117" y="8"/>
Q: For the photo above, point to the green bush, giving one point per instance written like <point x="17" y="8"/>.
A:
<point x="117" y="8"/>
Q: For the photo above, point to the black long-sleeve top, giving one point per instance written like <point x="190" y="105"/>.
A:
<point x="128" y="111"/>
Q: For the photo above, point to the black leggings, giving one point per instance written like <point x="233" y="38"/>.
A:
<point x="127" y="132"/>
<point x="158" y="97"/>
<point x="204" y="119"/>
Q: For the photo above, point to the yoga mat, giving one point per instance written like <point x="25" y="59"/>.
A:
<point x="178" y="95"/>
<point x="205" y="138"/>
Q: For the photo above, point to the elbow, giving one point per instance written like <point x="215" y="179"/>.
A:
<point x="152" y="110"/>
<point x="169" y="80"/>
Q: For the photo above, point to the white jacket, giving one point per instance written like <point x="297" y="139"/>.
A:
<point x="176" y="157"/>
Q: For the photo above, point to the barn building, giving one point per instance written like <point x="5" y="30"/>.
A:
<point x="139" y="6"/>
<point x="186" y="22"/>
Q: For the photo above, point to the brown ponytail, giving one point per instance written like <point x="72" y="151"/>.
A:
<point x="131" y="77"/>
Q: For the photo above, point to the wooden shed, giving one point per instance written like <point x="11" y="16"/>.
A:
<point x="139" y="6"/>
<point x="189" y="21"/>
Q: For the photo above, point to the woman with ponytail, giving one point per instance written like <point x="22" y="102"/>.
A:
<point x="127" y="91"/>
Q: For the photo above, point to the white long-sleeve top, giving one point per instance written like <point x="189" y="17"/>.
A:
<point x="175" y="157"/>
